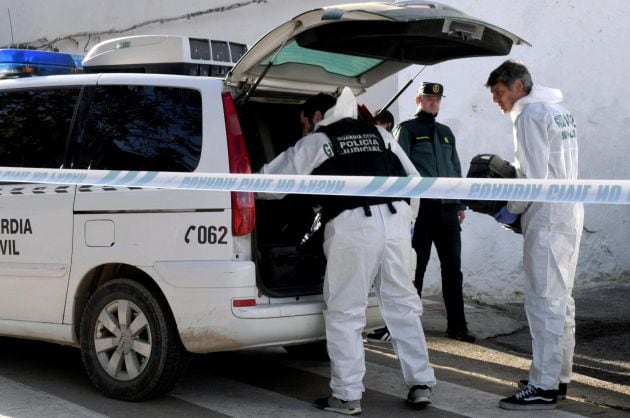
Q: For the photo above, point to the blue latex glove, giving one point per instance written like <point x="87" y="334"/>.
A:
<point x="504" y="216"/>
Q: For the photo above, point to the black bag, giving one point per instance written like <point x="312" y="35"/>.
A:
<point x="491" y="166"/>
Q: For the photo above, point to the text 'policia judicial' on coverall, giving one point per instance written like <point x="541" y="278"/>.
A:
<point x="362" y="248"/>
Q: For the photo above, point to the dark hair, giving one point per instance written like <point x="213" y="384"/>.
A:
<point x="321" y="102"/>
<point x="508" y="72"/>
<point x="384" y="116"/>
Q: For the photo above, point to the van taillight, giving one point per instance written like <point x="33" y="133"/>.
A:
<point x="243" y="303"/>
<point x="243" y="205"/>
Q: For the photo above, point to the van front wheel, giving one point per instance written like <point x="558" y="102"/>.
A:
<point x="129" y="342"/>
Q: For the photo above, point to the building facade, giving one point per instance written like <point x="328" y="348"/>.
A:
<point x="577" y="46"/>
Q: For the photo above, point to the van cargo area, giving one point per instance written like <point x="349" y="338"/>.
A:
<point x="288" y="237"/>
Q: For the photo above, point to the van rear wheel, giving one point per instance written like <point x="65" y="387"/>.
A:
<point x="129" y="343"/>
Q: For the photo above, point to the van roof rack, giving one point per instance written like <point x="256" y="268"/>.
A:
<point x="164" y="54"/>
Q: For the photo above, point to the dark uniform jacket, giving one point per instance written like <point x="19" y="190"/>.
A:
<point x="431" y="147"/>
<point x="357" y="150"/>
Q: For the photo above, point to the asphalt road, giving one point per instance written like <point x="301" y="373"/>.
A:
<point x="45" y="380"/>
<point x="602" y="351"/>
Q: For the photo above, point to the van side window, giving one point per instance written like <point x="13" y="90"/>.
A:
<point x="142" y="128"/>
<point x="34" y="126"/>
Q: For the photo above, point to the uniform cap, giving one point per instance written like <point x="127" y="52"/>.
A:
<point x="432" y="89"/>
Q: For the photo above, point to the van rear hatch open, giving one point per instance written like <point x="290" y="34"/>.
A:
<point x="357" y="45"/>
<point x="323" y="50"/>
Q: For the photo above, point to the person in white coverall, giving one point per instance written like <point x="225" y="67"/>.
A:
<point x="546" y="147"/>
<point x="367" y="243"/>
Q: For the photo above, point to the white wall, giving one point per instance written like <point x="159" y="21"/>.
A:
<point x="578" y="47"/>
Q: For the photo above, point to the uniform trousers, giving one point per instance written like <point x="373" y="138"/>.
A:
<point x="438" y="224"/>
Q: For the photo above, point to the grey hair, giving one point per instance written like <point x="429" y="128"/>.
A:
<point x="509" y="72"/>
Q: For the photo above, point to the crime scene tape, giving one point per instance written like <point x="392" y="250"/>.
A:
<point x="586" y="191"/>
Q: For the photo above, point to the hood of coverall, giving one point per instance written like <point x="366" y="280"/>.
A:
<point x="346" y="107"/>
<point x="539" y="94"/>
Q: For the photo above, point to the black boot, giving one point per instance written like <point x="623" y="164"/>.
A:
<point x="461" y="334"/>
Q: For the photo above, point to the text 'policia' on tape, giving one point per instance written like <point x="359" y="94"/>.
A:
<point x="587" y="191"/>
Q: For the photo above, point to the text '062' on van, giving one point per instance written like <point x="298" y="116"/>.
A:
<point x="140" y="278"/>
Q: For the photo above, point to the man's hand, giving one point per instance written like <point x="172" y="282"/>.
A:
<point x="461" y="215"/>
<point x="504" y="216"/>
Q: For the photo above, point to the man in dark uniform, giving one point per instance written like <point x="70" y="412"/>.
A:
<point x="430" y="145"/>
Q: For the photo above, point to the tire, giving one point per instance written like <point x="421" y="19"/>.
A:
<point x="309" y="351"/>
<point x="129" y="342"/>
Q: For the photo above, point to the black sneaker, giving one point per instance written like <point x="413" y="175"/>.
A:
<point x="340" y="406"/>
<point x="561" y="393"/>
<point x="419" y="395"/>
<point x="380" y="335"/>
<point x="461" y="334"/>
<point x="530" y="398"/>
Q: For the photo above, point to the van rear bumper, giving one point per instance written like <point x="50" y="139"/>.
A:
<point x="289" y="309"/>
<point x="200" y="294"/>
<point x="239" y="333"/>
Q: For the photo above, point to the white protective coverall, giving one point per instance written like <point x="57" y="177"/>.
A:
<point x="362" y="251"/>
<point x="546" y="148"/>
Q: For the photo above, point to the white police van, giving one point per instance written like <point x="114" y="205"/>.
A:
<point x="139" y="278"/>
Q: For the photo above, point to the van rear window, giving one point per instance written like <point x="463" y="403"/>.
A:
<point x="34" y="126"/>
<point x="141" y="128"/>
<point x="341" y="64"/>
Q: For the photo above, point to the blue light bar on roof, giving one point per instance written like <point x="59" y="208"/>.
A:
<point x="27" y="56"/>
<point x="26" y="63"/>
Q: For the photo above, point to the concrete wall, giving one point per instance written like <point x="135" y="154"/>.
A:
<point x="578" y="47"/>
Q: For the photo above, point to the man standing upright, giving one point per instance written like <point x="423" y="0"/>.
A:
<point x="431" y="147"/>
<point x="546" y="147"/>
